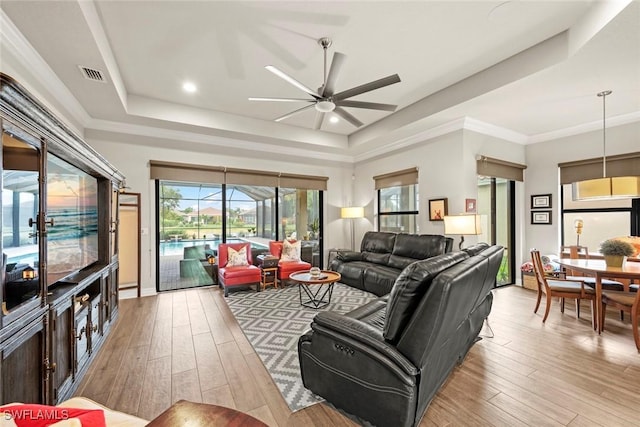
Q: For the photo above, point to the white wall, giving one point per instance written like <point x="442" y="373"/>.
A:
<point x="133" y="161"/>
<point x="542" y="177"/>
<point x="446" y="168"/>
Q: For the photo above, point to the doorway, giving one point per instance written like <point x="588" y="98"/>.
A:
<point x="129" y="239"/>
<point x="496" y="203"/>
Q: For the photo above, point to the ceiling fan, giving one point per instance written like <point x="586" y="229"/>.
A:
<point x="325" y="100"/>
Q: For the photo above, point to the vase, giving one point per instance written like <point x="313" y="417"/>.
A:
<point x="614" y="260"/>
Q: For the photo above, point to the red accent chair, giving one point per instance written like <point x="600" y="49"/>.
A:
<point x="285" y="268"/>
<point x="242" y="275"/>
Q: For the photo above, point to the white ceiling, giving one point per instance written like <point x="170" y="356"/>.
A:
<point x="147" y="49"/>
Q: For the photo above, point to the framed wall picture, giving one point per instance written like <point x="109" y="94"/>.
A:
<point x="541" y="201"/>
<point x="470" y="205"/>
<point x="540" y="217"/>
<point x="437" y="209"/>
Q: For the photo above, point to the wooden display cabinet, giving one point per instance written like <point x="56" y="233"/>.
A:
<point x="59" y="289"/>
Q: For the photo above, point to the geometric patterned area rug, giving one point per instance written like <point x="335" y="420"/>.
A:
<point x="273" y="320"/>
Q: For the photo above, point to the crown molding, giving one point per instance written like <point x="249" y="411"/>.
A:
<point x="495" y="131"/>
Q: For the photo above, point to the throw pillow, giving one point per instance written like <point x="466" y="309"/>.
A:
<point x="237" y="258"/>
<point x="290" y="251"/>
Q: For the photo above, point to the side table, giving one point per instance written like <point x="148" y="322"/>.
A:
<point x="268" y="277"/>
<point x="212" y="270"/>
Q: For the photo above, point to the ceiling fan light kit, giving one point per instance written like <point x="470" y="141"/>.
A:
<point x="325" y="100"/>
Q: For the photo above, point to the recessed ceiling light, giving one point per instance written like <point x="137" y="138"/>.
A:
<point x="189" y="87"/>
<point x="334" y="119"/>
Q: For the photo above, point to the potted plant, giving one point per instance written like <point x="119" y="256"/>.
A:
<point x="615" y="252"/>
<point x="314" y="227"/>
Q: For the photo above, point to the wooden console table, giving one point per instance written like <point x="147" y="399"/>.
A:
<point x="185" y="413"/>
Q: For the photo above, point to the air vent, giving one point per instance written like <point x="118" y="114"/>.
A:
<point x="92" y="74"/>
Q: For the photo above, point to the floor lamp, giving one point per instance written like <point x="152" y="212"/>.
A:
<point x="352" y="213"/>
<point x="463" y="224"/>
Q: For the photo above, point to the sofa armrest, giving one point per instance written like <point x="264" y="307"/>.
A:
<point x="349" y="256"/>
<point x="355" y="329"/>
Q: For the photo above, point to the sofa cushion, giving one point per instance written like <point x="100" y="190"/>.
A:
<point x="476" y="249"/>
<point x="411" y="247"/>
<point x="378" y="242"/>
<point x="372" y="313"/>
<point x="351" y="272"/>
<point x="409" y="289"/>
<point x="379" y="279"/>
<point x="286" y="268"/>
<point x="376" y="258"/>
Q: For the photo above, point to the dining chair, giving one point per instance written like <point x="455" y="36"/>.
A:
<point x="624" y="301"/>
<point x="560" y="288"/>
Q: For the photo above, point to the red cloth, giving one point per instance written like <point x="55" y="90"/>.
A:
<point x="34" y="415"/>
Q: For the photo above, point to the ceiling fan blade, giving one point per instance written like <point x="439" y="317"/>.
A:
<point x="369" y="105"/>
<point x="293" y="113"/>
<point x="283" y="99"/>
<point x="291" y="80"/>
<point x="367" y="87"/>
<point x="348" y="117"/>
<point x="319" y="120"/>
<point x="332" y="77"/>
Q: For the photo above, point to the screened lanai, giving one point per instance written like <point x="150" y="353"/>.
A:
<point x="194" y="218"/>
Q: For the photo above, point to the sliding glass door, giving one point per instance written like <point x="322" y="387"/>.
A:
<point x="194" y="218"/>
<point x="496" y="204"/>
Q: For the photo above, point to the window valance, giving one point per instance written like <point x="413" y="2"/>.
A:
<point x="581" y="170"/>
<point x="487" y="166"/>
<point x="396" y="179"/>
<point x="218" y="174"/>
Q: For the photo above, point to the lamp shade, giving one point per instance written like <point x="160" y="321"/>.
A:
<point x="28" y="273"/>
<point x="352" y="212"/>
<point x="618" y="187"/>
<point x="462" y="224"/>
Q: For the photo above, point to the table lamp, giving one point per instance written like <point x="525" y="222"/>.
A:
<point x="28" y="273"/>
<point x="463" y="224"/>
<point x="578" y="224"/>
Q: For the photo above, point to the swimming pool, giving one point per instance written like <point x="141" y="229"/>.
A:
<point x="177" y="248"/>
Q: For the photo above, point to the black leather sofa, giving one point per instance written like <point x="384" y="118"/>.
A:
<point x="384" y="361"/>
<point x="383" y="256"/>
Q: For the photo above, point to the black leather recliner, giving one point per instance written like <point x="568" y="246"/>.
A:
<point x="383" y="256"/>
<point x="384" y="361"/>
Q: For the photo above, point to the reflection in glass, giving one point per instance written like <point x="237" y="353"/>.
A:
<point x="20" y="200"/>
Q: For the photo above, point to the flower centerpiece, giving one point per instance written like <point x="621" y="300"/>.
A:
<point x="615" y="252"/>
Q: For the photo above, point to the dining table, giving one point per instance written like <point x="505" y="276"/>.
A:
<point x="598" y="269"/>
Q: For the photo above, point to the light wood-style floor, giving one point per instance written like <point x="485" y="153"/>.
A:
<point x="187" y="345"/>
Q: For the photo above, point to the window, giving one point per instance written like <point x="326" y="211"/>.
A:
<point x="398" y="201"/>
<point x="398" y="209"/>
<point x="601" y="219"/>
<point x="229" y="205"/>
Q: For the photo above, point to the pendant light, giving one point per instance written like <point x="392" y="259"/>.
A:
<point x="618" y="187"/>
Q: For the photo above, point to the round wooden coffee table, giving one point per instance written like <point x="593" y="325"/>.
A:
<point x="317" y="289"/>
<point x="191" y="414"/>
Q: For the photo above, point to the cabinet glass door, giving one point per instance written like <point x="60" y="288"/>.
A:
<point x="20" y="209"/>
